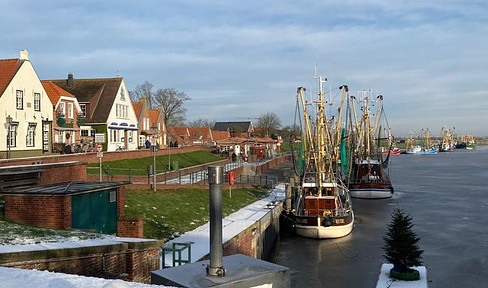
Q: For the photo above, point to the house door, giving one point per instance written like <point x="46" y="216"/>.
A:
<point x="46" y="136"/>
<point x="95" y="211"/>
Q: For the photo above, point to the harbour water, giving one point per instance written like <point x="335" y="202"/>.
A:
<point x="447" y="197"/>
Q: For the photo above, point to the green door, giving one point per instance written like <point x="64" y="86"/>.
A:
<point x="95" y="211"/>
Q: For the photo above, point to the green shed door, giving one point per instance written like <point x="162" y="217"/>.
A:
<point x="95" y="211"/>
<point x="81" y="212"/>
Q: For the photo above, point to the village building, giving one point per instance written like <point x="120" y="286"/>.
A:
<point x="25" y="108"/>
<point x="107" y="109"/>
<point x="67" y="118"/>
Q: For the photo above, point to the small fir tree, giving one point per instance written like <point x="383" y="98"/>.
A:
<point x="401" y="247"/>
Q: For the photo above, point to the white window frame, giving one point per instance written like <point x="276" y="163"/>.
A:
<point x="83" y="110"/>
<point x="70" y="110"/>
<point x="13" y="135"/>
<point x="37" y="101"/>
<point x="19" y="100"/>
<point x="62" y="108"/>
<point x="30" y="135"/>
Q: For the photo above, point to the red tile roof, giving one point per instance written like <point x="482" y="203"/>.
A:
<point x="137" y="108"/>
<point x="55" y="92"/>
<point x="153" y="116"/>
<point x="220" y="135"/>
<point x="8" y="69"/>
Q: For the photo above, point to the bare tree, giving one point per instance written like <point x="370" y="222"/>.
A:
<point x="171" y="100"/>
<point x="269" y="123"/>
<point x="201" y="122"/>
<point x="142" y="91"/>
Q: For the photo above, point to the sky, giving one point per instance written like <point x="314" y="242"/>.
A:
<point x="238" y="60"/>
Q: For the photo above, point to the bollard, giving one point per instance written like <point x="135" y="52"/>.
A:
<point x="215" y="195"/>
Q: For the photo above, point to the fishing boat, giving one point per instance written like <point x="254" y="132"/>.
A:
<point x="322" y="205"/>
<point x="392" y="151"/>
<point x="466" y="142"/>
<point x="368" y="177"/>
<point x="424" y="147"/>
<point x="448" y="142"/>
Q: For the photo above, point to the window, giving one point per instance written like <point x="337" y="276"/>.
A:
<point x="20" y="100"/>
<point x="70" y="110"/>
<point x="84" y="132"/>
<point x="12" y="138"/>
<point x="83" y="110"/>
<point x="31" y="134"/>
<point x="62" y="108"/>
<point x="142" y="139"/>
<point x="37" y="101"/>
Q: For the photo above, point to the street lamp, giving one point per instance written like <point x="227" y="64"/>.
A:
<point x="169" y="152"/>
<point x="153" y="148"/>
<point x="9" y="122"/>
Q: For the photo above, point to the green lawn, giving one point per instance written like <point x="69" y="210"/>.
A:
<point x="171" y="213"/>
<point x="138" y="166"/>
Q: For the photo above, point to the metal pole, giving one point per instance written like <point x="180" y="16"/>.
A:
<point x="215" y="195"/>
<point x="100" y="164"/>
<point x="154" y="164"/>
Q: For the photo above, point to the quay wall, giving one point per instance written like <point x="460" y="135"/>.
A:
<point x="257" y="240"/>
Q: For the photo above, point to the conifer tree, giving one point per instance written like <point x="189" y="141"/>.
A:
<point x="401" y="247"/>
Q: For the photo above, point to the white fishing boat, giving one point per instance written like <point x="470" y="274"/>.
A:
<point x="322" y="206"/>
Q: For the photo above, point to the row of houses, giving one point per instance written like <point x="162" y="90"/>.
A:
<point x="41" y="116"/>
<point x="45" y="116"/>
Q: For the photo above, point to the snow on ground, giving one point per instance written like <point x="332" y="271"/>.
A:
<point x="231" y="225"/>
<point x="385" y="281"/>
<point x="68" y="244"/>
<point x="13" y="277"/>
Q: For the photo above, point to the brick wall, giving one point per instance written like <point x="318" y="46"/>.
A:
<point x="91" y="157"/>
<point x="140" y="262"/>
<point x="244" y="243"/>
<point x="63" y="173"/>
<point x="130" y="226"/>
<point x="132" y="261"/>
<point x="41" y="211"/>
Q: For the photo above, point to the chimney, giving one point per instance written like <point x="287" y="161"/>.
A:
<point x="24" y="55"/>
<point x="71" y="80"/>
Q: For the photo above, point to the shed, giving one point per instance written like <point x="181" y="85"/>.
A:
<point x="94" y="206"/>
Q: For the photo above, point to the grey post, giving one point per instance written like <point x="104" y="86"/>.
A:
<point x="215" y="195"/>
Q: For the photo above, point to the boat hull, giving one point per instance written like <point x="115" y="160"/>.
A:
<point x="371" y="193"/>
<point x="318" y="231"/>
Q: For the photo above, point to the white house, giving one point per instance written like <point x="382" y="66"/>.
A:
<point x="25" y="109"/>
<point x="107" y="109"/>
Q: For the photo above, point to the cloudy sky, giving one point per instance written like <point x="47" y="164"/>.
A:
<point x="240" y="59"/>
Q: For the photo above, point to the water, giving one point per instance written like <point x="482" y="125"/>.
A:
<point x="447" y="197"/>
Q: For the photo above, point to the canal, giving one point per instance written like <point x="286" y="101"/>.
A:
<point x="447" y="197"/>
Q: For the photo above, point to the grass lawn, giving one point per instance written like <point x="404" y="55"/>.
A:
<point x="171" y="213"/>
<point x="138" y="166"/>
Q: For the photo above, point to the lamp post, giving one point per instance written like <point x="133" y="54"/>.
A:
<point x="153" y="148"/>
<point x="169" y="152"/>
<point x="9" y="122"/>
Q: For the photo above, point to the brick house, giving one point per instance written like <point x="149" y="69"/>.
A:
<point x="67" y="116"/>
